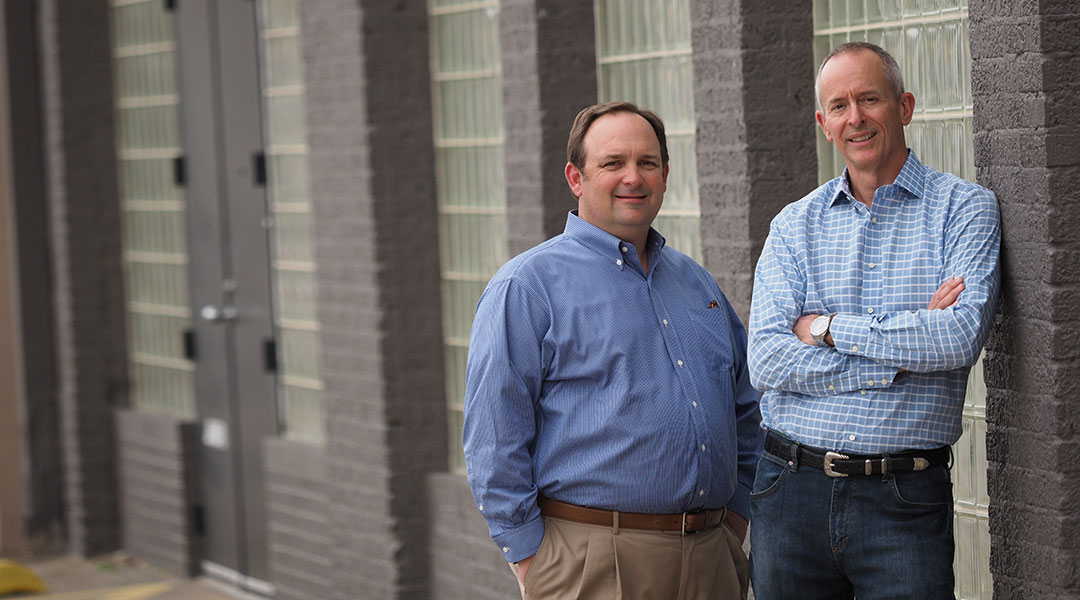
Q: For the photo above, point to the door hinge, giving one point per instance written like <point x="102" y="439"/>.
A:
<point x="270" y="355"/>
<point x="198" y="520"/>
<point x="179" y="170"/>
<point x="189" y="343"/>
<point x="260" y="168"/>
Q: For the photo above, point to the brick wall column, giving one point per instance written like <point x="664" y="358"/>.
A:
<point x="80" y="163"/>
<point x="372" y="184"/>
<point x="1026" y="85"/>
<point x="549" y="74"/>
<point x="754" y="103"/>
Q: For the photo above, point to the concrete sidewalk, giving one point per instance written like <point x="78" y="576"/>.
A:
<point x="119" y="577"/>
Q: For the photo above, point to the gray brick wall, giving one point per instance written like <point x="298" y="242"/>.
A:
<point x="549" y="74"/>
<point x="464" y="561"/>
<point x="753" y="100"/>
<point x="85" y="242"/>
<point x="158" y="464"/>
<point x="299" y="527"/>
<point x="372" y="174"/>
<point x="1025" y="83"/>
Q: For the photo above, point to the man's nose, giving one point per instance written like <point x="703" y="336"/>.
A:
<point x="855" y="116"/>
<point x="631" y="175"/>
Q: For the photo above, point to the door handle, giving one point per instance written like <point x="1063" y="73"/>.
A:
<point x="218" y="314"/>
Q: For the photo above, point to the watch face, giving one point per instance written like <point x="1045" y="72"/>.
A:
<point x="819" y="326"/>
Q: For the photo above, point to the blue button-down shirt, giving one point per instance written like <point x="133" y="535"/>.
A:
<point x="876" y="268"/>
<point x="590" y="382"/>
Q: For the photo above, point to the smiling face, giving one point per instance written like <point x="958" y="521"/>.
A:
<point x="621" y="187"/>
<point x="862" y="115"/>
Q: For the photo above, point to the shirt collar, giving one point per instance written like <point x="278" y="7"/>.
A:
<point x="911" y="178"/>
<point x="603" y="242"/>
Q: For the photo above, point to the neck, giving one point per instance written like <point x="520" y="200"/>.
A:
<point x="864" y="183"/>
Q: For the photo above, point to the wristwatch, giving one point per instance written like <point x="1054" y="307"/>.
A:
<point x="819" y="328"/>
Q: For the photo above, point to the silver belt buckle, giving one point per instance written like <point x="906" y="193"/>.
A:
<point x="829" y="458"/>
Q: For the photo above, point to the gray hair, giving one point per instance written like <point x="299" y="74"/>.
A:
<point x="892" y="69"/>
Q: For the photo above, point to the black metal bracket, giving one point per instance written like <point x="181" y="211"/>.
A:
<point x="270" y="362"/>
<point x="189" y="344"/>
<point x="260" y="168"/>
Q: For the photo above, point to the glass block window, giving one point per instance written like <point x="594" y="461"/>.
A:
<point x="643" y="56"/>
<point x="929" y="38"/>
<point x="299" y="385"/>
<point x="466" y="67"/>
<point x="155" y="255"/>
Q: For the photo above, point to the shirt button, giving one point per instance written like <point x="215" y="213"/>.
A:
<point x="505" y="549"/>
<point x="832" y="387"/>
<point x="863" y="392"/>
<point x="678" y="362"/>
<point x="481" y="508"/>
<point x="870" y="383"/>
<point x="854" y="348"/>
<point x="619" y="262"/>
<point x="623" y="248"/>
<point x="703" y="447"/>
<point x="870" y="310"/>
<point x="665" y="323"/>
<point x="694" y="403"/>
<point x="871" y="265"/>
<point x="701" y="492"/>
<point x="851" y="437"/>
<point x="873" y="219"/>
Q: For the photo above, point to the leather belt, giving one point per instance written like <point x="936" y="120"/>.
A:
<point x="690" y="522"/>
<point x="836" y="464"/>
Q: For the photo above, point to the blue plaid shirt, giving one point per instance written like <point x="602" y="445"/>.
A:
<point x="876" y="269"/>
<point x="590" y="382"/>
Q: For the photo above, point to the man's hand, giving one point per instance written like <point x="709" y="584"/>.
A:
<point x="737" y="524"/>
<point x="523" y="568"/>
<point x="947" y="294"/>
<point x="802" y="329"/>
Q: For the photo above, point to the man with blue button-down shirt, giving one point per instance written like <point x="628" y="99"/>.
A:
<point x="872" y="299"/>
<point x="611" y="430"/>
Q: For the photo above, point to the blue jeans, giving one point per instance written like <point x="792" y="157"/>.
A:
<point x="816" y="537"/>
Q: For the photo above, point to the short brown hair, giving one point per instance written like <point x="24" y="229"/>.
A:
<point x="575" y="147"/>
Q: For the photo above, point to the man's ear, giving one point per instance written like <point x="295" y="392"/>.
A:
<point x="573" y="179"/>
<point x="821" y="123"/>
<point x="907" y="107"/>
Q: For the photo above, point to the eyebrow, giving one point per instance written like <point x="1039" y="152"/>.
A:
<point x="618" y="156"/>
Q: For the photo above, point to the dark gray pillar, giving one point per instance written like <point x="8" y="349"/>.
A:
<point x="373" y="188"/>
<point x="1026" y="85"/>
<point x="86" y="249"/>
<point x="754" y="104"/>
<point x="549" y="74"/>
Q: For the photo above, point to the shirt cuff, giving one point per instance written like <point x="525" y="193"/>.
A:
<point x="740" y="501"/>
<point x="522" y="542"/>
<point x="851" y="333"/>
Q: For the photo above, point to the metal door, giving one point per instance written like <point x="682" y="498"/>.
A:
<point x="224" y="175"/>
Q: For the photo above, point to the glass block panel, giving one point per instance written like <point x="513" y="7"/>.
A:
<point x="277" y="14"/>
<point x="471" y="176"/>
<point x="964" y="461"/>
<point x="155" y="231"/>
<point x="302" y="413"/>
<point x="148" y="127"/>
<point x="965" y="533"/>
<point x="473" y="243"/>
<point x="466" y="106"/>
<point x="149" y="180"/>
<point x="285" y="120"/>
<point x="299" y="353"/>
<point x="682" y="189"/>
<point x="641" y="26"/>
<point x="294" y="295"/>
<point x="293" y="236"/>
<point x="459" y="300"/>
<point x="141" y="23"/>
<point x="288" y="178"/>
<point x="145" y="74"/>
<point x="282" y="61"/>
<point x="157" y="283"/>
<point x="466" y="41"/>
<point x="163" y="389"/>
<point x="160" y="335"/>
<point x="682" y="233"/>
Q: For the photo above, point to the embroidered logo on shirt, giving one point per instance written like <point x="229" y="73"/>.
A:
<point x="713" y="304"/>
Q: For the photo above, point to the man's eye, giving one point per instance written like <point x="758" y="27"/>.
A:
<point x="870" y="99"/>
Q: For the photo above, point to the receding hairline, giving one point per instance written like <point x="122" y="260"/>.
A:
<point x="894" y="78"/>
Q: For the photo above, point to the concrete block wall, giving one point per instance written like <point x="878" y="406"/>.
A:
<point x="159" y="489"/>
<point x="549" y="74"/>
<point x="80" y="171"/>
<point x="298" y="521"/>
<point x="1025" y="83"/>
<point x="753" y="101"/>
<point x="372" y="185"/>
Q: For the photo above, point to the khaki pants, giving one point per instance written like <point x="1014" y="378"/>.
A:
<point x="592" y="561"/>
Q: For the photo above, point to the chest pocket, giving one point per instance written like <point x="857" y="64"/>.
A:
<point x="712" y="334"/>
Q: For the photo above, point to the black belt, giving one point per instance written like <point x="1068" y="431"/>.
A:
<point x="836" y="464"/>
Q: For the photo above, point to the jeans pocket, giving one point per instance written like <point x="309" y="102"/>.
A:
<point x="923" y="489"/>
<point x="770" y="476"/>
